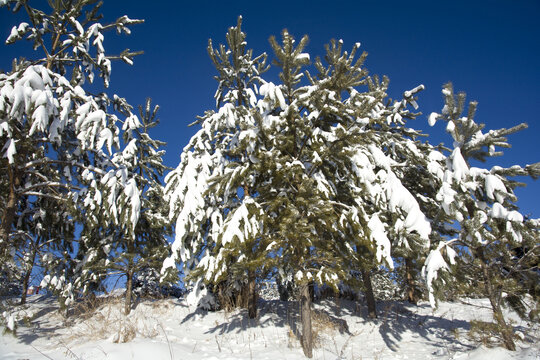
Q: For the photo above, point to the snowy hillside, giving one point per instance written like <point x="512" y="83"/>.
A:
<point x="169" y="329"/>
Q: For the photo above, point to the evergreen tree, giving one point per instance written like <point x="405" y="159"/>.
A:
<point x="422" y="178"/>
<point x="111" y="250"/>
<point x="491" y="230"/>
<point x="148" y="247"/>
<point x="304" y="179"/>
<point x="59" y="142"/>
<point x="338" y="174"/>
<point x="213" y="193"/>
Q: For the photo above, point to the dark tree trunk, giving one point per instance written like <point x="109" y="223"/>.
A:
<point x="224" y="300"/>
<point x="411" y="285"/>
<point x="26" y="279"/>
<point x="25" y="287"/>
<point x="370" y="297"/>
<point x="129" y="287"/>
<point x="284" y="290"/>
<point x="312" y="291"/>
<point x="305" y="313"/>
<point x="8" y="215"/>
<point x="252" y="295"/>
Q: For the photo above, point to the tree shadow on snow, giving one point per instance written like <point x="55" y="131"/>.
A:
<point x="40" y="324"/>
<point x="281" y="314"/>
<point x="270" y="313"/>
<point x="395" y="319"/>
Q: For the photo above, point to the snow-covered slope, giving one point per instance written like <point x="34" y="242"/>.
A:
<point x="169" y="329"/>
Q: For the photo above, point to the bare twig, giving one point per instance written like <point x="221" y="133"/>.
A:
<point x="169" y="343"/>
<point x="47" y="356"/>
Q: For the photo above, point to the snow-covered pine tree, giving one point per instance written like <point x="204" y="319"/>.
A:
<point x="384" y="126"/>
<point x="214" y="192"/>
<point x="34" y="227"/>
<point x="420" y="170"/>
<point x="306" y="178"/>
<point x="57" y="139"/>
<point x="117" y="251"/>
<point x="337" y="194"/>
<point x="496" y="249"/>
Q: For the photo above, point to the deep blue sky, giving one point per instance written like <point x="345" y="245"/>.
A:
<point x="490" y="49"/>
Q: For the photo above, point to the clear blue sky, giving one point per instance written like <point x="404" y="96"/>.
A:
<point x="490" y="49"/>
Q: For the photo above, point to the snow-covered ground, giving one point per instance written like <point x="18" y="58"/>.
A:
<point x="169" y="329"/>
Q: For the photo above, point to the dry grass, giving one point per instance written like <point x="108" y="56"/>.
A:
<point x="323" y="322"/>
<point x="104" y="318"/>
<point x="86" y="307"/>
<point x="292" y="339"/>
<point x="324" y="328"/>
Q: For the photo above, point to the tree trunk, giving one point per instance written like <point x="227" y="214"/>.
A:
<point x="305" y="313"/>
<point x="8" y="215"/>
<point x="370" y="297"/>
<point x="25" y="287"/>
<point x="252" y="295"/>
<point x="26" y="279"/>
<point x="505" y="330"/>
<point x="283" y="290"/>
<point x="129" y="286"/>
<point x="411" y="286"/>
<point x="312" y="291"/>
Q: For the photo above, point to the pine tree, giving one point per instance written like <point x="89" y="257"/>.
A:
<point x="341" y="175"/>
<point x="148" y="247"/>
<point x="422" y="178"/>
<point x="114" y="250"/>
<point x="301" y="181"/>
<point x="410" y="163"/>
<point x="58" y="141"/>
<point x="491" y="229"/>
<point x="212" y="193"/>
